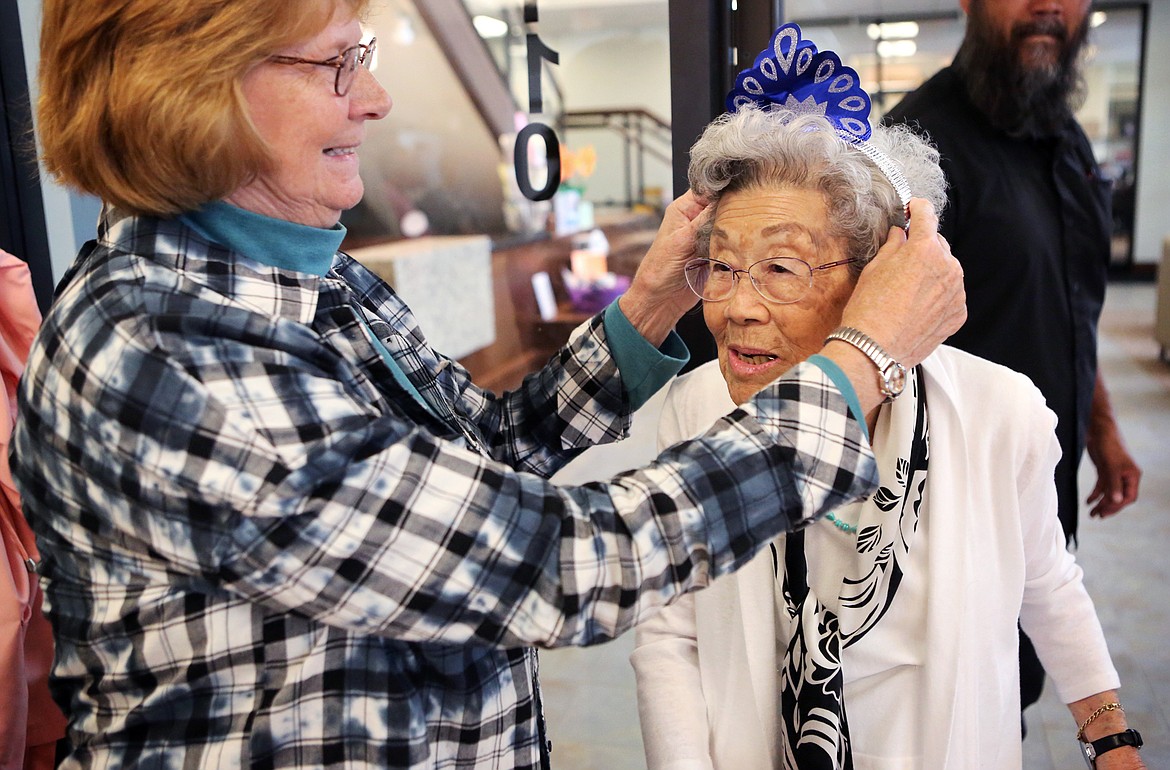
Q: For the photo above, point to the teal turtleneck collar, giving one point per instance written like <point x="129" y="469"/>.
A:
<point x="287" y="246"/>
<point x="274" y="242"/>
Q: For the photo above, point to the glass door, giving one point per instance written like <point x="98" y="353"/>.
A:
<point x="894" y="54"/>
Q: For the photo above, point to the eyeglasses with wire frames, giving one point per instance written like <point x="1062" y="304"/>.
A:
<point x="346" y="64"/>
<point x="780" y="280"/>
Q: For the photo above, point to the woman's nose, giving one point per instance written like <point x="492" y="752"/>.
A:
<point x="745" y="304"/>
<point x="368" y="100"/>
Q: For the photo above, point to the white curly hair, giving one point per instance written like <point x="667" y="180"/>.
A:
<point x="754" y="147"/>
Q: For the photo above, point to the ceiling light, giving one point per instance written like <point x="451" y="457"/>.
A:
<point x="892" y="30"/>
<point x="1097" y="18"/>
<point x="896" y="49"/>
<point x="490" y="26"/>
<point x="401" y="33"/>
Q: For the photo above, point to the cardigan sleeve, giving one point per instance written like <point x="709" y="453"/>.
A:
<point x="671" y="706"/>
<point x="1057" y="612"/>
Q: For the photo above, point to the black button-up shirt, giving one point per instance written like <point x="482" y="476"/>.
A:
<point x="1030" y="221"/>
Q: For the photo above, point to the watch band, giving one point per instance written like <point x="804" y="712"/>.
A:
<point x="1094" y="749"/>
<point x="891" y="374"/>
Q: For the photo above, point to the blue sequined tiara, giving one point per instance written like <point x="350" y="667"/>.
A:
<point x="791" y="74"/>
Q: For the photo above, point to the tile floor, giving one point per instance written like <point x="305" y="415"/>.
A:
<point x="589" y="693"/>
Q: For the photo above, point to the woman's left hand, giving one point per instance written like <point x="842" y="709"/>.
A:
<point x="659" y="295"/>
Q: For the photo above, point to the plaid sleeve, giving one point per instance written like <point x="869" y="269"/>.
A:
<point x="575" y="401"/>
<point x="218" y="445"/>
<point x="387" y="530"/>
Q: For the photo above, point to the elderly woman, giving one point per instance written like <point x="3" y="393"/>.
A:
<point x="278" y="529"/>
<point x="883" y="637"/>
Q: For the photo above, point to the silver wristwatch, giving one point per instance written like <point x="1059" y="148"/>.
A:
<point x="891" y="374"/>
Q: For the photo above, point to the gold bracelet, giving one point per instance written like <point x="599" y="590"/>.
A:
<point x="1107" y="707"/>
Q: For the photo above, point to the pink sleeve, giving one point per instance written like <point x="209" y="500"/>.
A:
<point x="30" y="723"/>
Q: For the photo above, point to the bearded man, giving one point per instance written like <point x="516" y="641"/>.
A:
<point x="1029" y="219"/>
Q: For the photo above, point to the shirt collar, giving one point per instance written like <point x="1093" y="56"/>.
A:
<point x="185" y="255"/>
<point x="274" y="242"/>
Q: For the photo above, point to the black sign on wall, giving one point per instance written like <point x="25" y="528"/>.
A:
<point x="22" y="216"/>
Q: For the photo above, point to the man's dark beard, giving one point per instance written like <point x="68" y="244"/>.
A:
<point x="1030" y="100"/>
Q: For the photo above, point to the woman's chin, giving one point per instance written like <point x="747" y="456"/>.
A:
<point x="350" y="196"/>
<point x="743" y="390"/>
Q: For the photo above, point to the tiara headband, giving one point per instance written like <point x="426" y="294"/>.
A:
<point x="793" y="75"/>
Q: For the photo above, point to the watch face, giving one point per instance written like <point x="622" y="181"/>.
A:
<point x="1089" y="755"/>
<point x="895" y="379"/>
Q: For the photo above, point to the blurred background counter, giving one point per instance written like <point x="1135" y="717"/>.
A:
<point x="475" y="298"/>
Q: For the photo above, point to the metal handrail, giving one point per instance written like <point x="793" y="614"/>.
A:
<point x="643" y="133"/>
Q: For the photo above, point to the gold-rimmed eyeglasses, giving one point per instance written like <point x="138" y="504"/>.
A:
<point x="781" y="280"/>
<point x="346" y="64"/>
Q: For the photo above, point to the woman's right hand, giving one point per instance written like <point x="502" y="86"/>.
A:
<point x="659" y="295"/>
<point x="910" y="297"/>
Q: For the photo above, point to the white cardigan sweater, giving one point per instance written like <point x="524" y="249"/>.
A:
<point x="706" y="666"/>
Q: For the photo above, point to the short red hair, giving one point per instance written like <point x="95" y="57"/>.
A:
<point x="141" y="101"/>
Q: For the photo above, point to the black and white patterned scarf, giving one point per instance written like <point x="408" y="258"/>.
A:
<point x="814" y="731"/>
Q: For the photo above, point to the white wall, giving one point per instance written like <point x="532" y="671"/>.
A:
<point x="616" y="70"/>
<point x="1153" y="187"/>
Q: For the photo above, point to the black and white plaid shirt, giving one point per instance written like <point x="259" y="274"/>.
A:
<point x="261" y="552"/>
